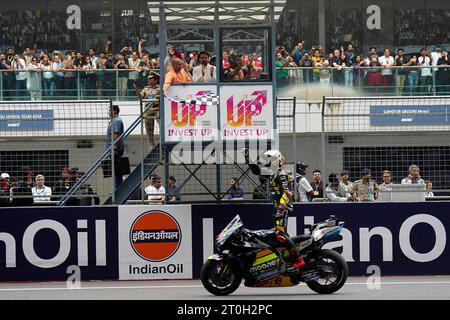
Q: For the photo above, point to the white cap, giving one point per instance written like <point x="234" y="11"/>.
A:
<point x="4" y="175"/>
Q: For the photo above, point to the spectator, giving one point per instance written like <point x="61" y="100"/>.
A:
<point x="387" y="62"/>
<point x="443" y="74"/>
<point x="20" y="66"/>
<point x="373" y="72"/>
<point x="87" y="192"/>
<point x="317" y="184"/>
<point x="41" y="192"/>
<point x="413" y="176"/>
<point x="387" y="180"/>
<point x="317" y="62"/>
<point x="69" y="76"/>
<point x="21" y="194"/>
<point x="325" y="73"/>
<point x="63" y="184"/>
<point x="35" y="80"/>
<point x="173" y="192"/>
<point x="429" y="189"/>
<point x="58" y="67"/>
<point x="400" y="73"/>
<point x="424" y="61"/>
<point x="348" y="59"/>
<point x="365" y="189"/>
<point x="90" y="76"/>
<point x="122" y="75"/>
<point x="235" y="192"/>
<point x="114" y="131"/>
<point x="29" y="177"/>
<point x="193" y="61"/>
<point x="176" y="75"/>
<point x="256" y="67"/>
<point x="110" y="76"/>
<point x="282" y="75"/>
<point x="345" y="180"/>
<point x="337" y="192"/>
<point x="305" y="190"/>
<point x="204" y="72"/>
<point x="225" y="63"/>
<point x="358" y="71"/>
<point x="4" y="189"/>
<point x="9" y="78"/>
<point x="144" y="68"/>
<point x="155" y="191"/>
<point x="298" y="52"/>
<point x="234" y="71"/>
<point x="435" y="56"/>
<point x="172" y="53"/>
<point x="94" y="59"/>
<point x="413" y="75"/>
<point x="47" y="77"/>
<point x="133" y="63"/>
<point x="338" y="64"/>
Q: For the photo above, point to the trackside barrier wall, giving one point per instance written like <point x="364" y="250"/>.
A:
<point x="172" y="241"/>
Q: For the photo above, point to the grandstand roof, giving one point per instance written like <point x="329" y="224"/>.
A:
<point x="206" y="12"/>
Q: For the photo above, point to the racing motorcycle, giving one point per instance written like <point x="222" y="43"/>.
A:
<point x="257" y="257"/>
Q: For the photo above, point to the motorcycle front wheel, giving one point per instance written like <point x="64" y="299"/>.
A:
<point x="332" y="270"/>
<point x="220" y="277"/>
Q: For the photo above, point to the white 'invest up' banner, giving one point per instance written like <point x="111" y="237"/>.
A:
<point x="246" y="112"/>
<point x="185" y="121"/>
<point x="155" y="243"/>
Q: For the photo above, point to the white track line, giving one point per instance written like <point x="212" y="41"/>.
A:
<point x="200" y="286"/>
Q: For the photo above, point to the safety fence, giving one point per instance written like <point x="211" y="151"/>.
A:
<point x="309" y="83"/>
<point x="386" y="137"/>
<point x="46" y="244"/>
<point x="48" y="146"/>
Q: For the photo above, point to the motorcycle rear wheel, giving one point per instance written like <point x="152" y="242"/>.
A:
<point x="329" y="264"/>
<point x="220" y="277"/>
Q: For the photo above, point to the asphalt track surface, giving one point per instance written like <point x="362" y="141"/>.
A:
<point x="356" y="288"/>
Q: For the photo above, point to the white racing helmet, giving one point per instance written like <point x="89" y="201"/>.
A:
<point x="272" y="161"/>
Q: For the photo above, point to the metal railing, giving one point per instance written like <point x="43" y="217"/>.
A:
<point x="309" y="83"/>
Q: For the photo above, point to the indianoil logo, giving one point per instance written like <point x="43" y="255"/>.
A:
<point x="155" y="236"/>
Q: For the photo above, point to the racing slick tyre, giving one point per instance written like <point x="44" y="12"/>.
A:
<point x="220" y="277"/>
<point x="332" y="270"/>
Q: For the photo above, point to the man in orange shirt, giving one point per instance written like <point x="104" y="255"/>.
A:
<point x="176" y="75"/>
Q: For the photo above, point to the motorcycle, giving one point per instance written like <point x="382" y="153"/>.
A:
<point x="257" y="257"/>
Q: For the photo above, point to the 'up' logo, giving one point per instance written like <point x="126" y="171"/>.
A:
<point x="243" y="112"/>
<point x="183" y="113"/>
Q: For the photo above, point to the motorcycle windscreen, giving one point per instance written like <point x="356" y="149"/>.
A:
<point x="234" y="225"/>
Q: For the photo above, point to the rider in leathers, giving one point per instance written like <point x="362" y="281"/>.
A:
<point x="280" y="184"/>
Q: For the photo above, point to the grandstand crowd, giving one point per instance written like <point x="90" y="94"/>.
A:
<point x="37" y="74"/>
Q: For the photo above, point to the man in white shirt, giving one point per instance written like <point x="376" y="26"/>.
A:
<point x="204" y="72"/>
<point x="413" y="176"/>
<point x="435" y="56"/>
<point x="303" y="186"/>
<point x="41" y="193"/>
<point x="155" y="191"/>
<point x="337" y="192"/>
<point x="387" y="62"/>
<point x="424" y="62"/>
<point x="20" y="66"/>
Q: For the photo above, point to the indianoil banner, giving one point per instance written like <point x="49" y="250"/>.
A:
<point x="246" y="112"/>
<point x="155" y="242"/>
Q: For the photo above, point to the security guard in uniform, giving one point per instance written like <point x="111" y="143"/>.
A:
<point x="152" y="90"/>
